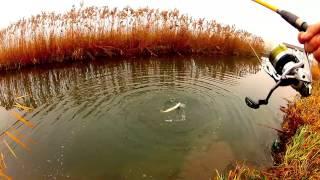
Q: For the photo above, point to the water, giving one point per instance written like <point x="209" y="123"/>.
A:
<point x="104" y="120"/>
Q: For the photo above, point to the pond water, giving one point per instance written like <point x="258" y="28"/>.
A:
<point x="105" y="120"/>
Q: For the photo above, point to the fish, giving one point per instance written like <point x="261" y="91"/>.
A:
<point x="178" y="105"/>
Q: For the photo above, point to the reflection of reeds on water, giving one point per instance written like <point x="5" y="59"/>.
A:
<point x="92" y="32"/>
<point x="3" y="166"/>
<point x="11" y="134"/>
<point x="41" y="86"/>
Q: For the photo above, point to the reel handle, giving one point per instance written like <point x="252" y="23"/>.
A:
<point x="251" y="103"/>
<point x="256" y="104"/>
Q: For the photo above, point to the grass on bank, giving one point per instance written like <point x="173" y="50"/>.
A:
<point x="301" y="161"/>
<point x="92" y="32"/>
<point x="300" y="158"/>
<point x="240" y="172"/>
<point x="304" y="111"/>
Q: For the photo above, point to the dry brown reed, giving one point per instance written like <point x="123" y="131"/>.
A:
<point x="304" y="111"/>
<point x="91" y="32"/>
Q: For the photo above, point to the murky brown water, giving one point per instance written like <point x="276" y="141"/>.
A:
<point x="103" y="120"/>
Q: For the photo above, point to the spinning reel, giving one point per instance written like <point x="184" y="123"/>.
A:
<point x="287" y="67"/>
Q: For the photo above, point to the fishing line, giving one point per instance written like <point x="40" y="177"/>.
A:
<point x="255" y="53"/>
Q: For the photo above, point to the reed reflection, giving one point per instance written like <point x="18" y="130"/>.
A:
<point x="43" y="85"/>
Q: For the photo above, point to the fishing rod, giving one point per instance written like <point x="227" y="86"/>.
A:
<point x="286" y="65"/>
<point x="291" y="18"/>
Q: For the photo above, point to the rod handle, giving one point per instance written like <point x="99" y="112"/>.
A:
<point x="294" y="20"/>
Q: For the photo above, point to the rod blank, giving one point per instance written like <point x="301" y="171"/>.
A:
<point x="291" y="18"/>
<point x="267" y="5"/>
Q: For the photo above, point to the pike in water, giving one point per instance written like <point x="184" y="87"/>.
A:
<point x="178" y="105"/>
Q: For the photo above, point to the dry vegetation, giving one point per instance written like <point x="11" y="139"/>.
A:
<point x="305" y="111"/>
<point x="301" y="159"/>
<point x="241" y="172"/>
<point x="91" y="32"/>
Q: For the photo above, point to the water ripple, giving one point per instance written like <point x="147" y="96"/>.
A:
<point x="109" y="114"/>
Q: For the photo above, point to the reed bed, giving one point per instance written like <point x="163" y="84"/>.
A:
<point x="92" y="32"/>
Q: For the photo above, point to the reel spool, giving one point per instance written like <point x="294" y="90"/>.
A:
<point x="280" y="56"/>
<point x="286" y="66"/>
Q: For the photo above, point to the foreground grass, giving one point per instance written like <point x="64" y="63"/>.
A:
<point x="300" y="158"/>
<point x="91" y="32"/>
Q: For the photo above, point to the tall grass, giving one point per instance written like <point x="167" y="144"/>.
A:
<point x="93" y="32"/>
